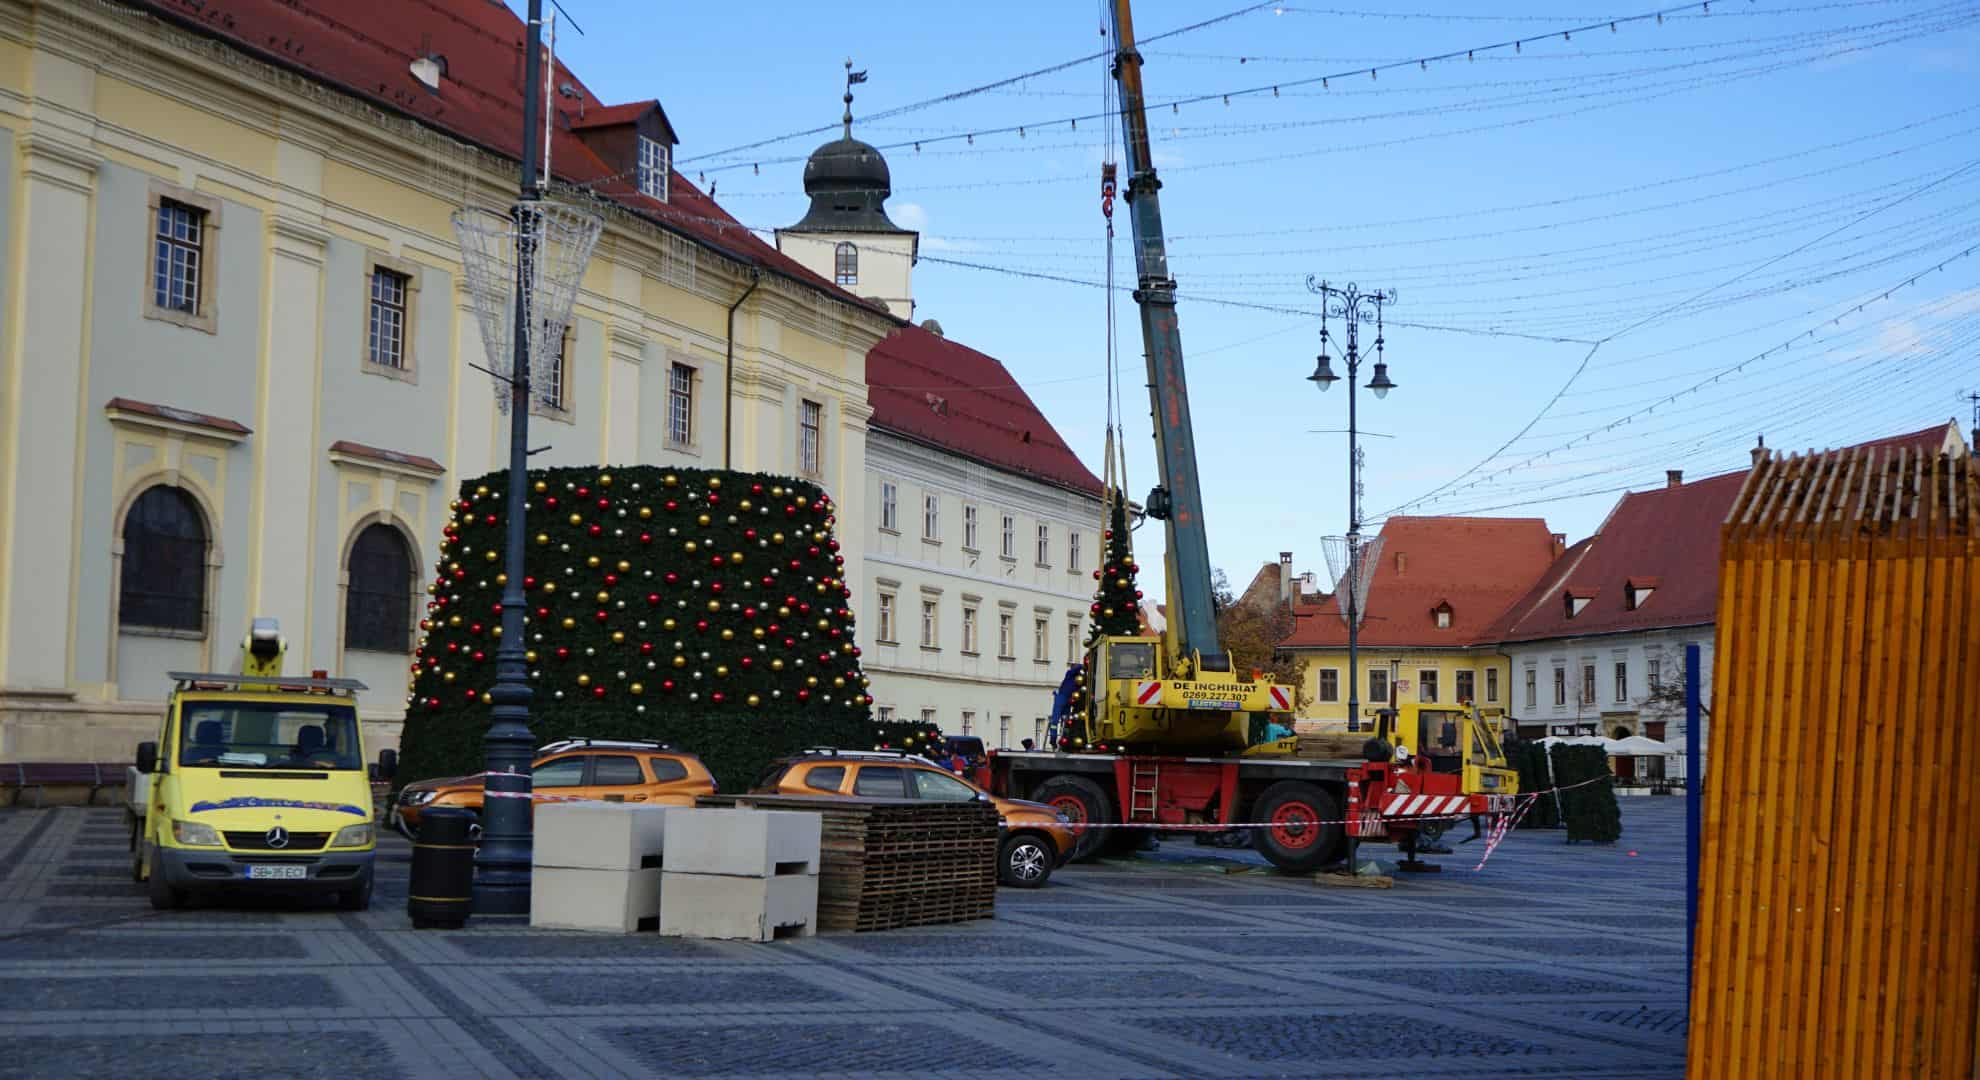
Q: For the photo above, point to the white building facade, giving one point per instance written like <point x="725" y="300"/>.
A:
<point x="978" y="587"/>
<point x="1612" y="685"/>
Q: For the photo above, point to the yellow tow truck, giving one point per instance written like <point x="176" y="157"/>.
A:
<point x="256" y="781"/>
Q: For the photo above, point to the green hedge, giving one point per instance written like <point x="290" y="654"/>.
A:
<point x="702" y="608"/>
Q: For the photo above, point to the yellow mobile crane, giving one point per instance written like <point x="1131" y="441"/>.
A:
<point x="1173" y="716"/>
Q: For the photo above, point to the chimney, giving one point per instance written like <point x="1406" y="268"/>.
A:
<point x="1673" y="478"/>
<point x="1285" y="578"/>
<point x="1560" y="543"/>
<point x="1759" y="449"/>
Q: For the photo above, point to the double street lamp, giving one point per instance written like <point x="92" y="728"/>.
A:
<point x="1351" y="305"/>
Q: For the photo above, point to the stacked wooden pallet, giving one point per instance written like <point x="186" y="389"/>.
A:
<point x="890" y="863"/>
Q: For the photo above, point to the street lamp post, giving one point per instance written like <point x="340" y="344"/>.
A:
<point x="1352" y="305"/>
<point x="502" y="865"/>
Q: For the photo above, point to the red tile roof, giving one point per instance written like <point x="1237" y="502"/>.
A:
<point x="1476" y="564"/>
<point x="1665" y="539"/>
<point x="611" y="115"/>
<point x="366" y="47"/>
<point x="923" y="386"/>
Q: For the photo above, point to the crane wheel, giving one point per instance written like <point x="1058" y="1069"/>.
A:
<point x="1082" y="801"/>
<point x="1305" y="831"/>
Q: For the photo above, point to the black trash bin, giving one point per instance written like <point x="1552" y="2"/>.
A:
<point x="442" y="870"/>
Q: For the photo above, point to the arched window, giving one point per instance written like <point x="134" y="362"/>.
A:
<point x="845" y="264"/>
<point x="164" y="576"/>
<point x="378" y="601"/>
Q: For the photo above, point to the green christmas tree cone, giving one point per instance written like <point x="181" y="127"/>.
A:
<point x="706" y="609"/>
<point x="1116" y="609"/>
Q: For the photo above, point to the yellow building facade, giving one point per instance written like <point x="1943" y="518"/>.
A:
<point x="195" y="428"/>
<point x="1419" y="676"/>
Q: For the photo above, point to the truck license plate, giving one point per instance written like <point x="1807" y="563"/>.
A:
<point x="277" y="873"/>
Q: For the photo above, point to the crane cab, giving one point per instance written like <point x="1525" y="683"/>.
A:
<point x="1139" y="700"/>
<point x="1458" y="740"/>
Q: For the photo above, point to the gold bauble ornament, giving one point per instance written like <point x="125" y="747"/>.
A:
<point x="714" y="605"/>
<point x="446" y="676"/>
<point x="754" y="701"/>
<point x="591" y="561"/>
<point x="637" y="688"/>
<point x="491" y="556"/>
<point x="811" y="680"/>
<point x="501" y="579"/>
<point x="624" y="566"/>
<point x="584" y="680"/>
<point x="483" y="490"/>
<point x="577" y="519"/>
<point x="618" y="637"/>
<point x="680" y="661"/>
<point x="783" y="612"/>
<point x="714" y="481"/>
<point x="542" y="538"/>
<point x="670" y="480"/>
<point x="541" y="487"/>
<point x="667" y="623"/>
<point x="776" y="538"/>
<point x="603" y="596"/>
<point x="757" y="633"/>
<point x="549" y="586"/>
<point x="839" y="681"/>
<point x="728" y="635"/>
<point x="605" y="480"/>
<point x="776" y="665"/>
<point x="453" y="620"/>
<point x="689" y="547"/>
<point x="735" y="557"/>
<point x="702" y="520"/>
<point x="530" y="656"/>
<point x="570" y="623"/>
<point x="645" y="512"/>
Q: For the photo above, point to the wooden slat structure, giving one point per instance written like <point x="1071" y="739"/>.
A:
<point x="890" y="863"/>
<point x="1840" y="879"/>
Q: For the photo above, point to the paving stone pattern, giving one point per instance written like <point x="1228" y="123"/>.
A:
<point x="1158" y="966"/>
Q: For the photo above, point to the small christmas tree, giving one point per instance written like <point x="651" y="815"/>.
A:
<point x="700" y="608"/>
<point x="1116" y="612"/>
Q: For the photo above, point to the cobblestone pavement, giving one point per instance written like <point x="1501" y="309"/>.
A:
<point x="1556" y="960"/>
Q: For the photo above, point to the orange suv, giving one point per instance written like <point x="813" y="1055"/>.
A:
<point x="1037" y="838"/>
<point x="602" y="769"/>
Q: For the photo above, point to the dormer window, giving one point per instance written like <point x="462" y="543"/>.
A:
<point x="1442" y="613"/>
<point x="653" y="168"/>
<point x="1576" y="601"/>
<point x="1636" y="592"/>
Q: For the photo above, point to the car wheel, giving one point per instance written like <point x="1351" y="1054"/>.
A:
<point x="1024" y="861"/>
<point x="357" y="897"/>
<point x="1305" y="830"/>
<point x="164" y="896"/>
<point x="1083" y="803"/>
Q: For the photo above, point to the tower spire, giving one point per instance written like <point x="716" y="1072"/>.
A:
<point x="853" y="78"/>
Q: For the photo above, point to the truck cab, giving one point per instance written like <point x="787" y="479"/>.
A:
<point x="1141" y="701"/>
<point x="1461" y="740"/>
<point x="257" y="781"/>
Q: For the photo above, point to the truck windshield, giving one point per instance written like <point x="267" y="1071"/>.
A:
<point x="268" y="735"/>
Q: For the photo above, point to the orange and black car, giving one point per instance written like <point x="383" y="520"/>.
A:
<point x="601" y="769"/>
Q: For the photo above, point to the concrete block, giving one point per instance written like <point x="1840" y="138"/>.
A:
<point x="738" y="908"/>
<point x="613" y="900"/>
<point x="598" y="836"/>
<point x="743" y="843"/>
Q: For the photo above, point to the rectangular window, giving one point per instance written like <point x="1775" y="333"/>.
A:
<point x="1072" y="551"/>
<point x="1467" y="686"/>
<point x="1378" y="685"/>
<point x="931" y="517"/>
<point x="1072" y="641"/>
<point x="886" y="628"/>
<point x="1492" y="685"/>
<point x="1588" y="684"/>
<point x="1006" y="635"/>
<point x="969" y="630"/>
<point x="653" y="168"/>
<point x="928" y="716"/>
<point x="1653" y="671"/>
<point x="886" y="714"/>
<point x="929" y="615"/>
<point x="1010" y="537"/>
<point x="969" y="528"/>
<point x="1044" y="544"/>
<point x="1622" y="680"/>
<point x="680" y="405"/>
<point x="387" y="333"/>
<point x="969" y="722"/>
<point x="1039" y="629"/>
<point x="178" y="250"/>
<point x="811" y="423"/>
<point x="1560" y="686"/>
<point x="1532" y="691"/>
<point x="1004" y="731"/>
<point x="890" y="511"/>
<point x="554" y="394"/>
<point x="1330" y="685"/>
<point x="1426" y="685"/>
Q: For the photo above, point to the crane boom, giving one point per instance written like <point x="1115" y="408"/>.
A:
<point x="1178" y="500"/>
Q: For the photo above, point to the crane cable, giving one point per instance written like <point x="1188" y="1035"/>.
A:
<point x="1114" y="449"/>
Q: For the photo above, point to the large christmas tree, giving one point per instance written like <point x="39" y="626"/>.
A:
<point x="706" y="609"/>
<point x="1116" y="611"/>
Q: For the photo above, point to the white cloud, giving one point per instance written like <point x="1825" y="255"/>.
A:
<point x="1900" y="338"/>
<point x="909" y="215"/>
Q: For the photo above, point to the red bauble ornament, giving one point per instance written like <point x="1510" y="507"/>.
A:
<point x="666" y="684"/>
<point x="701" y="625"/>
<point x="645" y="538"/>
<point x="746" y="661"/>
<point x="543" y="613"/>
<point x="604" y="504"/>
<point x="1095" y="609"/>
<point x="490" y="519"/>
<point x="603" y="615"/>
<point x="714" y="586"/>
<point x="749" y="613"/>
<point x="804" y="695"/>
<point x="470" y="695"/>
<point x="789" y="510"/>
<point x="584" y="493"/>
<point x="598" y="530"/>
<point x="749" y="534"/>
<point x="713" y="498"/>
<point x="474" y="628"/>
<point x="479" y="656"/>
<point x="672" y="577"/>
<point x="716" y="697"/>
<point x="813" y="551"/>
<point x="529" y="582"/>
<point x="551" y="502"/>
<point x="598" y="691"/>
<point x="653" y="598"/>
<point x="453" y="646"/>
<point x="646" y="648"/>
<point x="611" y="579"/>
<point x="672" y="505"/>
<point x="563" y="652"/>
<point x="756" y="489"/>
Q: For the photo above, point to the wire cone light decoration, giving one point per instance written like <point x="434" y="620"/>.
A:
<point x="1352" y="568"/>
<point x="554" y="241"/>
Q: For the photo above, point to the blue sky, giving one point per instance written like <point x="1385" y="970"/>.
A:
<point x="1619" y="253"/>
